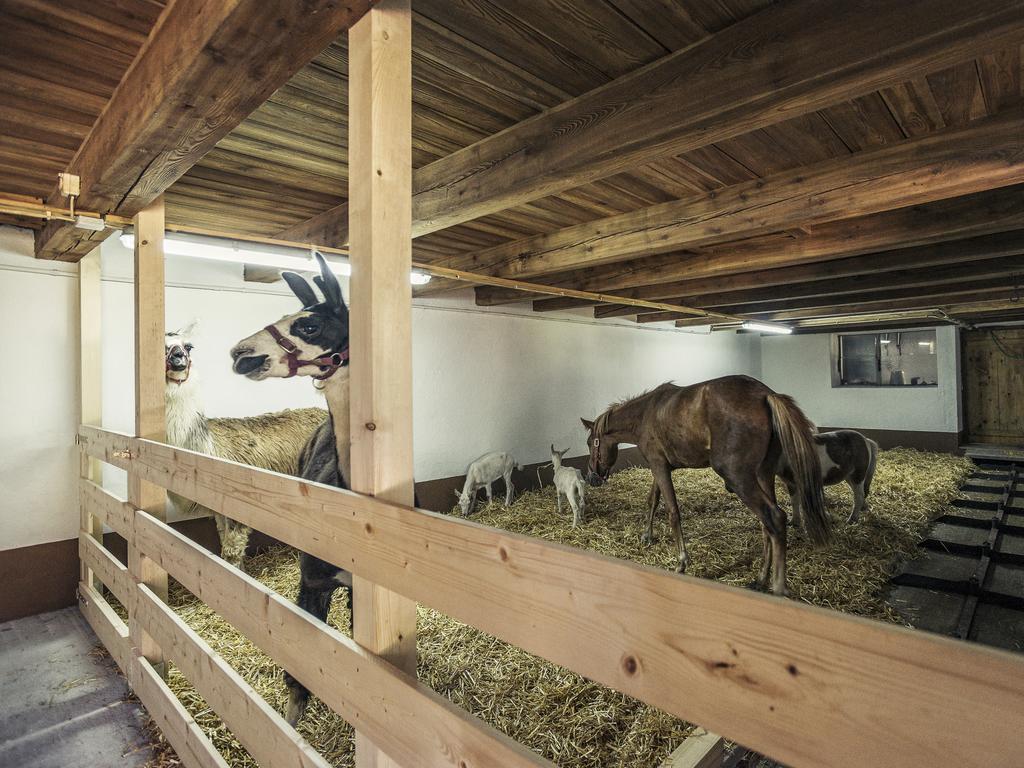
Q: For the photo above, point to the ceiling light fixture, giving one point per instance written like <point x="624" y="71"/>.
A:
<point x="752" y="325"/>
<point x="216" y="249"/>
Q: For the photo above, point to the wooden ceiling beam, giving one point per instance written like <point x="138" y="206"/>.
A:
<point x="953" y="219"/>
<point x="203" y="69"/>
<point x="967" y="304"/>
<point x="984" y="155"/>
<point x="923" y="265"/>
<point x="790" y="59"/>
<point x="993" y="284"/>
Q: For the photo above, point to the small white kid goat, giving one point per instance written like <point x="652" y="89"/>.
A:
<point x="569" y="483"/>
<point x="481" y="473"/>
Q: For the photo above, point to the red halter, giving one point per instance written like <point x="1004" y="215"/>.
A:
<point x="327" y="364"/>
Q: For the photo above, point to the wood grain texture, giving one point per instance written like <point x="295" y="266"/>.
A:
<point x="789" y="59"/>
<point x="987" y="155"/>
<point x="946" y="220"/>
<point x="993" y="385"/>
<point x="860" y="282"/>
<point x="380" y="104"/>
<point x="804" y="685"/>
<point x="150" y="409"/>
<point x="204" y="68"/>
<point x="747" y="77"/>
<point x="260" y="729"/>
<point x="175" y="723"/>
<point x="700" y="749"/>
<point x="414" y="724"/>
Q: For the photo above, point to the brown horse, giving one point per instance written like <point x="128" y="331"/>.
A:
<point x="738" y="427"/>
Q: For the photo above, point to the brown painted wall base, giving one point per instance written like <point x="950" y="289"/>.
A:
<point x="940" y="442"/>
<point x="44" y="577"/>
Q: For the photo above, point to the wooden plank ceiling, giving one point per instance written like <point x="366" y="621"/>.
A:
<point x="480" y="67"/>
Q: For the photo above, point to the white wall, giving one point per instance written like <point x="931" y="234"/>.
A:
<point x="38" y="395"/>
<point x="519" y="381"/>
<point x="483" y="379"/>
<point x="800" y="366"/>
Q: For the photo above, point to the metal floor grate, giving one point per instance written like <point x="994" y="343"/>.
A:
<point x="968" y="581"/>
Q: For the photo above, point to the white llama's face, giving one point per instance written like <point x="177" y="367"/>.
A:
<point x="178" y="354"/>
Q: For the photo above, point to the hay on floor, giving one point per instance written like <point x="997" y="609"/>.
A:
<point x="569" y="720"/>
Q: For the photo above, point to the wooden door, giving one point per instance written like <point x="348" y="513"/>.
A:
<point x="993" y="376"/>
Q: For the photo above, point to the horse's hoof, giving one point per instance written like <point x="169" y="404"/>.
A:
<point x="646" y="539"/>
<point x="756" y="584"/>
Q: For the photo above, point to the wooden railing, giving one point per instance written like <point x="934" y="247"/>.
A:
<point x="804" y="685"/>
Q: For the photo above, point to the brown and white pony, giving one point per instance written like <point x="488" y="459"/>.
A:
<point x="844" y="455"/>
<point x="737" y="426"/>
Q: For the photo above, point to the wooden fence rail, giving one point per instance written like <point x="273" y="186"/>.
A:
<point x="410" y="721"/>
<point x="802" y="684"/>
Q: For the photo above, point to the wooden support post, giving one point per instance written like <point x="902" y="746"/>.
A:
<point x="90" y="384"/>
<point x="380" y="200"/>
<point x="149" y="402"/>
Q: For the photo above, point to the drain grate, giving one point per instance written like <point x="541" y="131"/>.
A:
<point x="968" y="581"/>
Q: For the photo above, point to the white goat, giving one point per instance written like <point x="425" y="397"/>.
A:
<point x="569" y="483"/>
<point x="484" y="471"/>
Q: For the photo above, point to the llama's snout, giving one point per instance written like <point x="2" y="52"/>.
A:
<point x="177" y="361"/>
<point x="245" y="361"/>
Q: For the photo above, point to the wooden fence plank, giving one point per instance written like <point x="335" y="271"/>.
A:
<point x="700" y="749"/>
<point x="109" y="509"/>
<point x="176" y="724"/>
<point x="409" y="721"/>
<point x="260" y="729"/>
<point x="108" y="569"/>
<point x="804" y="685"/>
<point x="107" y="625"/>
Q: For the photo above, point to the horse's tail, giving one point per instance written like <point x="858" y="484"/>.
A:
<point x="795" y="432"/>
<point x="872" y="460"/>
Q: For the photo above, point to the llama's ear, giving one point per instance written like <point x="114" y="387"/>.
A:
<point x="328" y="282"/>
<point x="190" y="329"/>
<point x="587" y="425"/>
<point x="302" y="290"/>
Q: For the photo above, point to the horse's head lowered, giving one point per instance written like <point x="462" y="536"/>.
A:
<point x="311" y="342"/>
<point x="604" y="450"/>
<point x="178" y="354"/>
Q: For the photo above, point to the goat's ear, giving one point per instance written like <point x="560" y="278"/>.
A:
<point x="553" y="448"/>
<point x="456" y="492"/>
<point x="302" y="290"/>
<point x="328" y="282"/>
<point x="587" y="425"/>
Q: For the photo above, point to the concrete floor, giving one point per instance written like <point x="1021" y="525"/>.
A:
<point x="61" y="703"/>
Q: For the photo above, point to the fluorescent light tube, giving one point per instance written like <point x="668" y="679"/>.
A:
<point x="752" y="325"/>
<point x="230" y="252"/>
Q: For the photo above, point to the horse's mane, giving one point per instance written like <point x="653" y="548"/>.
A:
<point x="646" y="393"/>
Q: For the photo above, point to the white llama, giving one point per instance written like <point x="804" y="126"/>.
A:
<point x="269" y="441"/>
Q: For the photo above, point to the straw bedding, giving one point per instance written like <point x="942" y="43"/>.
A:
<point x="569" y="720"/>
